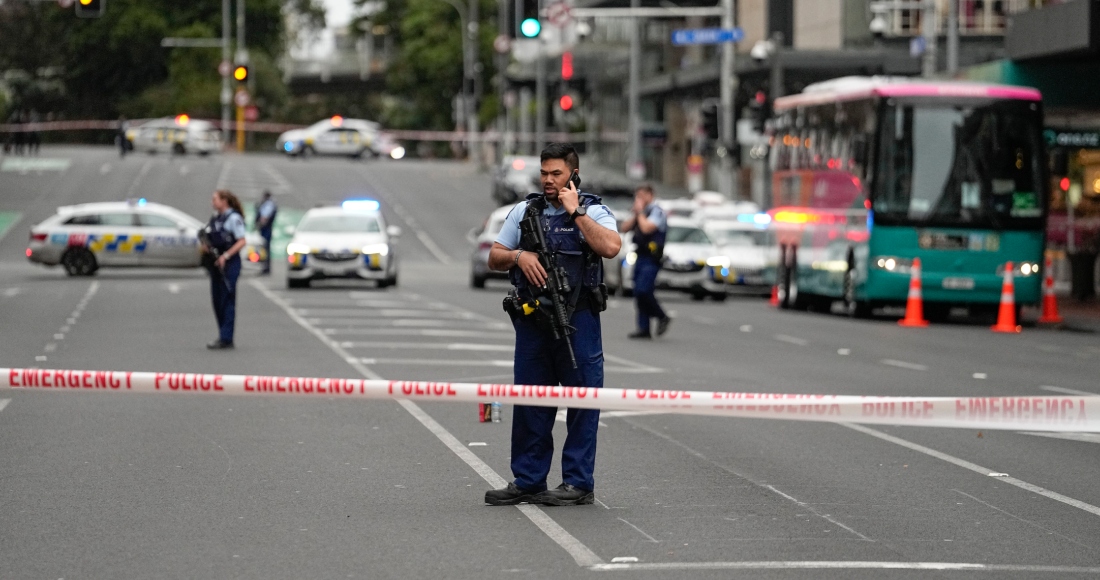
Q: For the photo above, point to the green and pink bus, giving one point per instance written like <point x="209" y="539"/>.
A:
<point x="869" y="174"/>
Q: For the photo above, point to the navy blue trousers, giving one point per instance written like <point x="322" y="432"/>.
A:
<point x="223" y="292"/>
<point x="541" y="360"/>
<point x="645" y="299"/>
<point x="265" y="233"/>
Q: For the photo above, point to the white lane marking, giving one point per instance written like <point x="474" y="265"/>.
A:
<point x="40" y="358"/>
<point x="791" y="339"/>
<point x="478" y="444"/>
<point x="844" y="351"/>
<point x="384" y="313"/>
<point x="496" y="363"/>
<point x="185" y="169"/>
<point x="638" y="367"/>
<point x="1066" y="435"/>
<point x="433" y="332"/>
<point x="746" y="328"/>
<point x="50" y="347"/>
<point x="640" y="531"/>
<point x="814" y="511"/>
<point x="623" y="559"/>
<point x="137" y="180"/>
<point x="975" y="468"/>
<point x="1018" y="518"/>
<point x="174" y="288"/>
<point x="1054" y="389"/>
<point x="980" y="376"/>
<point x="903" y="365"/>
<point x="581" y="554"/>
<point x="223" y="177"/>
<point x="463" y="346"/>
<point x="58" y="336"/>
<point x="744" y="477"/>
<point x="704" y="320"/>
<point x="841" y="565"/>
<point x="105" y="169"/>
<point x="4" y="403"/>
<point x="11" y="226"/>
<point x="10" y="292"/>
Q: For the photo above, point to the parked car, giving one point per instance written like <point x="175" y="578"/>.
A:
<point x="515" y="178"/>
<point x="336" y="136"/>
<point x="689" y="256"/>
<point x="741" y="256"/>
<point x="483" y="238"/>
<point x="180" y="135"/>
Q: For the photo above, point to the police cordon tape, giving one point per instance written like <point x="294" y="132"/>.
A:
<point x="270" y="127"/>
<point x="1045" y="413"/>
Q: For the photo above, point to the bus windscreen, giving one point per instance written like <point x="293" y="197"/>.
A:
<point x="952" y="165"/>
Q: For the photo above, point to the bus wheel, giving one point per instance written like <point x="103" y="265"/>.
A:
<point x="791" y="298"/>
<point x="782" y="278"/>
<point x="854" y="308"/>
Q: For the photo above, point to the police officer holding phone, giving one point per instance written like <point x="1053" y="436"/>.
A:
<point x="222" y="241"/>
<point x="648" y="225"/>
<point x="579" y="231"/>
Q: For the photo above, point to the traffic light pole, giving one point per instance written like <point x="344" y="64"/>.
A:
<point x="634" y="156"/>
<point x="227" y="92"/>
<point x="727" y="79"/>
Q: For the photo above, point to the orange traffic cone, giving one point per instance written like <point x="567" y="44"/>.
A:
<point x="1006" y="317"/>
<point x="775" y="296"/>
<point x="1050" y="303"/>
<point x="914" y="306"/>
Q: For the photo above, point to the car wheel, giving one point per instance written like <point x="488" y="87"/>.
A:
<point x="387" y="282"/>
<point x="79" y="262"/>
<point x="477" y="281"/>
<point x="297" y="283"/>
<point x="178" y="149"/>
<point x="698" y="295"/>
<point x="719" y="296"/>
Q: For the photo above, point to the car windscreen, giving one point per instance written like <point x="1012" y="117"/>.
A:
<point x="686" y="235"/>
<point x="344" y="223"/>
<point x="739" y="237"/>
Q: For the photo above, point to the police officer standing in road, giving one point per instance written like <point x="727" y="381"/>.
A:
<point x="579" y="231"/>
<point x="223" y="239"/>
<point x="649" y="227"/>
<point x="265" y="219"/>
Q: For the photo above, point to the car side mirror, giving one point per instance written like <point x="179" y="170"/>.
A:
<point x="393" y="231"/>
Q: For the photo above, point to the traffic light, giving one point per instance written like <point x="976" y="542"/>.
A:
<point x="527" y="19"/>
<point x="709" y="111"/>
<point x="240" y="73"/>
<point x="566" y="66"/>
<point x="761" y="110"/>
<point x="566" y="102"/>
<point x="90" y="8"/>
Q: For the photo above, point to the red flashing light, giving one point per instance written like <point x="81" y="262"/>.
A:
<point x="566" y="66"/>
<point x="566" y="102"/>
<point x="336" y="120"/>
<point x="183" y="120"/>
<point x="1064" y="184"/>
<point x="866" y="204"/>
<point x="760" y="97"/>
<point x="29" y="252"/>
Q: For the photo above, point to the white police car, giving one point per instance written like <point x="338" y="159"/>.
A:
<point x="333" y="136"/>
<point x="180" y="134"/>
<point x="689" y="259"/>
<point x="349" y="241"/>
<point x="83" y="238"/>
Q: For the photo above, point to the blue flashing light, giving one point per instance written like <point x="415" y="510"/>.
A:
<point x="141" y="201"/>
<point x="725" y="271"/>
<point x="761" y="219"/>
<point x="288" y="147"/>
<point x="361" y="205"/>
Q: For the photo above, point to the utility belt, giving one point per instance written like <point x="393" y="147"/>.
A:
<point x="594" y="299"/>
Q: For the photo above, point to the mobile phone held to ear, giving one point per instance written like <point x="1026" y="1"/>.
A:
<point x="576" y="179"/>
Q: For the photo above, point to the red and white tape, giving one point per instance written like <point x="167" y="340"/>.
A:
<point x="1046" y="413"/>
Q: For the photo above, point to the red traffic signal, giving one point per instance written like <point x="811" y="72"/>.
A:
<point x="566" y="66"/>
<point x="566" y="102"/>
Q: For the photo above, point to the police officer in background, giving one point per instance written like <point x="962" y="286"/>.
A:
<point x="223" y="239"/>
<point x="580" y="231"/>
<point x="265" y="219"/>
<point x="649" y="227"/>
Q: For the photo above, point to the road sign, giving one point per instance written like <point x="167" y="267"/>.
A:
<point x="559" y="14"/>
<point x="65" y="3"/>
<point x="242" y="98"/>
<point x="706" y="36"/>
<point x="224" y="68"/>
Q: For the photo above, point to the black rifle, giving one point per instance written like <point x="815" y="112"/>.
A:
<point x="557" y="281"/>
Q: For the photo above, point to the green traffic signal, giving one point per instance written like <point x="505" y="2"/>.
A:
<point x="530" y="27"/>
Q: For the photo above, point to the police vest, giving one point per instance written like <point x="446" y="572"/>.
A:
<point x="220" y="238"/>
<point x="582" y="265"/>
<point x="651" y="245"/>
